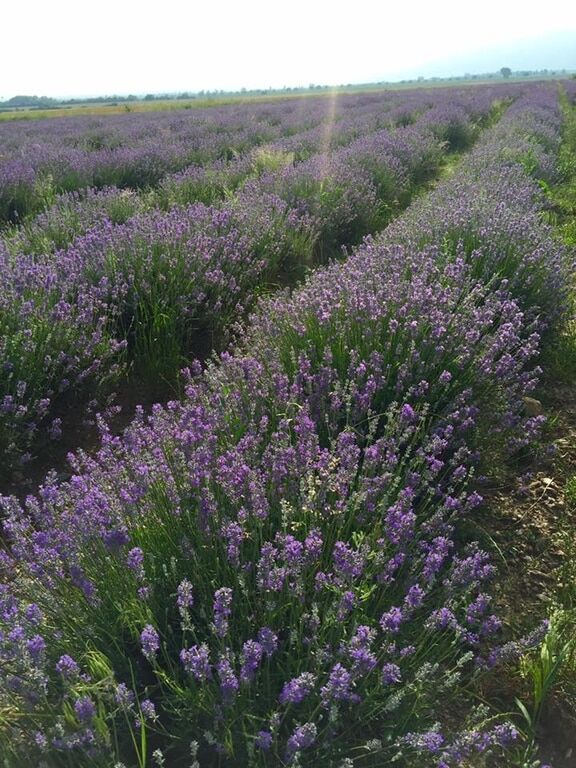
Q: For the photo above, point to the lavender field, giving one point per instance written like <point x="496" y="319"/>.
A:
<point x="339" y="307"/>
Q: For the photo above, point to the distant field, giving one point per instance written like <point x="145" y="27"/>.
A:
<point x="113" y="108"/>
<point x="160" y="105"/>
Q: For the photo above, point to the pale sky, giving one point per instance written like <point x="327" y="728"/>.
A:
<point x="93" y="47"/>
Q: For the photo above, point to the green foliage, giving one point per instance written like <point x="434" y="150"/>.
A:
<point x="544" y="671"/>
<point x="209" y="187"/>
<point x="563" y="195"/>
<point x="270" y="160"/>
<point x="17" y="201"/>
<point x="560" y="354"/>
<point x="570" y="492"/>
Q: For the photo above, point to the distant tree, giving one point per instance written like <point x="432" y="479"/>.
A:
<point x="506" y="72"/>
<point x="31" y="101"/>
<point x="149" y="97"/>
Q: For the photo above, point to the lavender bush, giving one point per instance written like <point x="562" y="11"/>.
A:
<point x="43" y="158"/>
<point x="71" y="215"/>
<point x="50" y="345"/>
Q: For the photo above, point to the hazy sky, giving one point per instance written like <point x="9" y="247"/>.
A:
<point x="85" y="47"/>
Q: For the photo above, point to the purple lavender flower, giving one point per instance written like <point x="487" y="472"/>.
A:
<point x="135" y="561"/>
<point x="505" y="734"/>
<point x="85" y="709"/>
<point x="302" y="738"/>
<point x="339" y="687"/>
<point x="392" y="620"/>
<point x="67" y="667"/>
<point x="429" y="741"/>
<point x="123" y="696"/>
<point x="400" y="519"/>
<point x="196" y="661"/>
<point x="150" y="642"/>
<point x="442" y="618"/>
<point x="391" y="674"/>
<point x="185" y="598"/>
<point x="346" y="605"/>
<point x="347" y="561"/>
<point x="297" y="689"/>
<point x="228" y="680"/>
<point x="359" y="650"/>
<point x="293" y="550"/>
<point x="222" y="610"/>
<point x="55" y="429"/>
<point x="415" y="596"/>
<point x="264" y="740"/>
<point x="408" y="414"/>
<point x="116" y="539"/>
<point x="491" y="625"/>
<point x="148" y="709"/>
<point x="268" y="640"/>
<point x="436" y="556"/>
<point x="477" y="609"/>
<point x="36" y="646"/>
<point x="252" y="653"/>
<point x="41" y="741"/>
<point x="33" y="613"/>
<point x="313" y="544"/>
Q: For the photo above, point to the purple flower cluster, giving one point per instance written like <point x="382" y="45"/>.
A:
<point x="150" y="642"/>
<point x="222" y="610"/>
<point x="296" y="690"/>
<point x="196" y="661"/>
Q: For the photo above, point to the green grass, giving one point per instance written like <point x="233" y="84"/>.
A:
<point x="563" y="195"/>
<point x="559" y="359"/>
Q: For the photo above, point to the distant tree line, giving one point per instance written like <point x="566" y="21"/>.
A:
<point x="46" y="102"/>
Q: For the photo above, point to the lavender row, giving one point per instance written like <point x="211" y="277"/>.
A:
<point x="456" y="123"/>
<point x="492" y="204"/>
<point x="47" y="157"/>
<point x="69" y="154"/>
<point x="453" y="118"/>
<point x="158" y="283"/>
<point x="75" y="212"/>
<point x="271" y="571"/>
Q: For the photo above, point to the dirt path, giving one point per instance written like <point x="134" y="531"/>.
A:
<point x="529" y="523"/>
